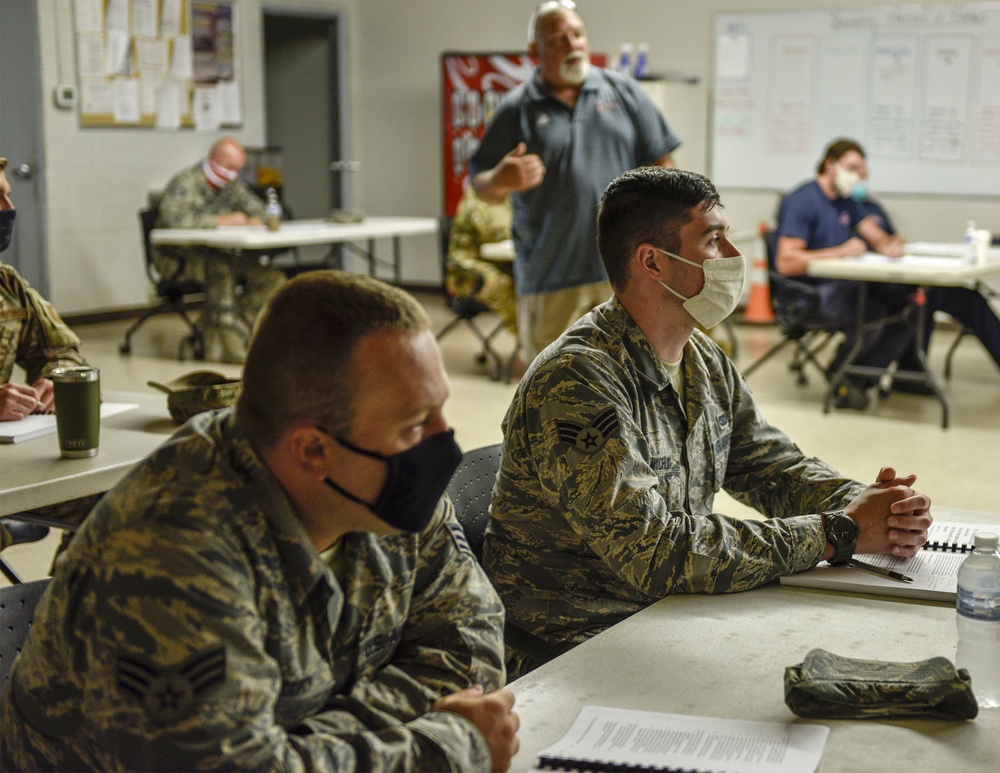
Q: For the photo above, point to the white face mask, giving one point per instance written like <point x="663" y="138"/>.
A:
<point x="847" y="183"/>
<point x="219" y="176"/>
<point x="723" y="288"/>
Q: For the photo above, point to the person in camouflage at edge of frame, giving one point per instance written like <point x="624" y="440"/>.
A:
<point x="622" y="431"/>
<point x="234" y="603"/>
<point x="32" y="336"/>
<point x="477" y="223"/>
<point x="209" y="194"/>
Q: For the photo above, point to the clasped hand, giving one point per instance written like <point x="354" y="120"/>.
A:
<point x="893" y="518"/>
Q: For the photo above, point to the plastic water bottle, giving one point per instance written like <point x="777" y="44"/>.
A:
<point x="625" y="59"/>
<point x="641" y="62"/>
<point x="969" y="240"/>
<point x="978" y="606"/>
<point x="272" y="210"/>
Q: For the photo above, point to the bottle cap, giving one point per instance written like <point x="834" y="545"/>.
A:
<point x="986" y="540"/>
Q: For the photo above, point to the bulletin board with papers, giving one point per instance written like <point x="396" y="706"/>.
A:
<point x="917" y="85"/>
<point x="168" y="64"/>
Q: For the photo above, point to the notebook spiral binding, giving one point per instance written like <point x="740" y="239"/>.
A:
<point x="603" y="766"/>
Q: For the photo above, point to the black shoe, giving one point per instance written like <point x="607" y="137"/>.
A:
<point x="851" y="396"/>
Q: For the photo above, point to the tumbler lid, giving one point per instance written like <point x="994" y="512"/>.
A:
<point x="75" y="373"/>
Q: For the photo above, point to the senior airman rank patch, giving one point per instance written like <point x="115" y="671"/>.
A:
<point x="169" y="694"/>
<point x="459" y="535"/>
<point x="589" y="438"/>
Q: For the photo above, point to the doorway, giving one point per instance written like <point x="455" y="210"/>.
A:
<point x="21" y="140"/>
<point x="303" y="91"/>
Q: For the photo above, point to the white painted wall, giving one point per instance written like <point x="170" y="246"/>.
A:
<point x="97" y="178"/>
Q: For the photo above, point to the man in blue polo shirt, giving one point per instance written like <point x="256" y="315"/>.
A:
<point x="554" y="144"/>
<point x="822" y="219"/>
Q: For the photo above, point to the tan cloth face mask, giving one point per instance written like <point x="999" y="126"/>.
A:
<point x="724" y="280"/>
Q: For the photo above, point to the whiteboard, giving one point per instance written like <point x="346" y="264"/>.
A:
<point x="917" y="85"/>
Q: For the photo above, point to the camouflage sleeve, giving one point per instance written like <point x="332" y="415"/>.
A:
<point x="769" y="473"/>
<point x="453" y="637"/>
<point x="180" y="604"/>
<point x="463" y="242"/>
<point x="46" y="341"/>
<point x="611" y="495"/>
<point x="182" y="204"/>
<point x="245" y="200"/>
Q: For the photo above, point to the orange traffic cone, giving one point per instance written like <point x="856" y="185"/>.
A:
<point x="758" y="310"/>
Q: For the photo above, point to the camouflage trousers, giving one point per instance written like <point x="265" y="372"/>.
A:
<point x="223" y="274"/>
<point x="496" y="292"/>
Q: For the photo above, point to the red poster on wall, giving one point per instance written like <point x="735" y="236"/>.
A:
<point x="472" y="85"/>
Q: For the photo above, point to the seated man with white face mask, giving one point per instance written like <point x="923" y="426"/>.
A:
<point x="206" y="195"/>
<point x="621" y="433"/>
<point x="826" y="218"/>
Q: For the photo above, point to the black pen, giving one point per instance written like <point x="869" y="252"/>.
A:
<point x="879" y="570"/>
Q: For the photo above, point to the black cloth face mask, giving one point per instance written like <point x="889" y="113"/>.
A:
<point x="6" y="227"/>
<point x="416" y="480"/>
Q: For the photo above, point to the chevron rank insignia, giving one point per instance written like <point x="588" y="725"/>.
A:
<point x="169" y="694"/>
<point x="589" y="438"/>
<point x="459" y="534"/>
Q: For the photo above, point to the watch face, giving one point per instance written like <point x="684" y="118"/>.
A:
<point x="841" y="532"/>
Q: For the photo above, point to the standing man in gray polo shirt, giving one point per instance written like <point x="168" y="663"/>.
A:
<point x="554" y="144"/>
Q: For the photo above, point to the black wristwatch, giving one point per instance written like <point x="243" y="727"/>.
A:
<point x="841" y="532"/>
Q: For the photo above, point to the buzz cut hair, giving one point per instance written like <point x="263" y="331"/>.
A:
<point x="299" y="367"/>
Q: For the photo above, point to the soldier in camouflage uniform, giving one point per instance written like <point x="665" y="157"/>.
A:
<point x="32" y="336"/>
<point x="477" y="223"/>
<point x="207" y="195"/>
<point x="622" y="431"/>
<point x="281" y="585"/>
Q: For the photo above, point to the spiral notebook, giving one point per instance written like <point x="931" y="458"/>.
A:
<point x="933" y="571"/>
<point x="605" y="739"/>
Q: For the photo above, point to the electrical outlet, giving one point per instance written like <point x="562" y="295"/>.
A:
<point x="65" y="96"/>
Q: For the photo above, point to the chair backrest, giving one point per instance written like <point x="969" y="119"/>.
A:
<point x="17" y="610"/>
<point x="471" y="491"/>
<point x="147" y="221"/>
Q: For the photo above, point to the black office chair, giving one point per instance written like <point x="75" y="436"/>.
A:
<point x="17" y="612"/>
<point x="28" y="527"/>
<point x="795" y="305"/>
<point x="172" y="291"/>
<point x="466" y="308"/>
<point x="471" y="491"/>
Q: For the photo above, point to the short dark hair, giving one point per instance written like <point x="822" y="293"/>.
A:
<point x="299" y="365"/>
<point x="649" y="204"/>
<point x="837" y="149"/>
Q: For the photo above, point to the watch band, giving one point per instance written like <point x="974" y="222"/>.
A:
<point x="841" y="532"/>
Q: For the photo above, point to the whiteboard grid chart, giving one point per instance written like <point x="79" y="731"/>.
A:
<point x="917" y="85"/>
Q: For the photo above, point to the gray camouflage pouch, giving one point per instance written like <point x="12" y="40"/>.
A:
<point x="829" y="686"/>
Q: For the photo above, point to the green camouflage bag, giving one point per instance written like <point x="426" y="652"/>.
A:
<point x="829" y="686"/>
